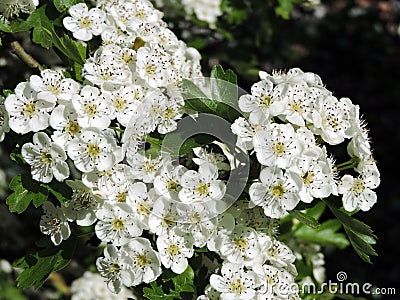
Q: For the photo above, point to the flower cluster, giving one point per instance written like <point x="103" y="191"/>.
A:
<point x="151" y="211"/>
<point x="292" y="120"/>
<point x="12" y="8"/>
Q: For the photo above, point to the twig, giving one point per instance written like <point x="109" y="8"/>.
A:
<point x="19" y="51"/>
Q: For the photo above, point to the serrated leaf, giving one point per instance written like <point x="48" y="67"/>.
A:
<point x="305" y="219"/>
<point x="41" y="25"/>
<point x="25" y="190"/>
<point x="184" y="282"/>
<point x="224" y="85"/>
<point x="360" y="234"/>
<point x="63" y="5"/>
<point x="285" y="8"/>
<point x="39" y="265"/>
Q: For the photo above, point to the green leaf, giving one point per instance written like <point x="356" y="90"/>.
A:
<point x="360" y="234"/>
<point x="224" y="86"/>
<point x="305" y="219"/>
<point x="61" y="191"/>
<point x="156" y="292"/>
<point x="184" y="282"/>
<point x="39" y="265"/>
<point x="5" y="25"/>
<point x="63" y="5"/>
<point x="25" y="190"/>
<point x="41" y="27"/>
<point x="285" y="8"/>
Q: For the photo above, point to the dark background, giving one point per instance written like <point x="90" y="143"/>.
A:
<point x="355" y="48"/>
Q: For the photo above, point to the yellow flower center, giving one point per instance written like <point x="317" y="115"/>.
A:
<point x="121" y="197"/>
<point x="241" y="243"/>
<point x="236" y="287"/>
<point x="118" y="224"/>
<point x="202" y="189"/>
<point x="296" y="106"/>
<point x="29" y="109"/>
<point x="169" y="113"/>
<point x="308" y="178"/>
<point x="46" y="158"/>
<point x="150" y="69"/>
<point x="72" y="128"/>
<point x="127" y="57"/>
<point x="172" y="185"/>
<point x="142" y="260"/>
<point x="358" y="186"/>
<point x="265" y="101"/>
<point x="279" y="149"/>
<point x="277" y="191"/>
<point x="85" y="23"/>
<point x="93" y="150"/>
<point x="173" y="249"/>
<point x="90" y="109"/>
<point x="149" y="167"/>
<point x="119" y="103"/>
<point x="143" y="209"/>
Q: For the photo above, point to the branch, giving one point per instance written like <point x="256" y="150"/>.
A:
<point x="19" y="51"/>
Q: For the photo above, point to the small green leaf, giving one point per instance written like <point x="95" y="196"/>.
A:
<point x="285" y="8"/>
<point x="39" y="265"/>
<point x="305" y="219"/>
<point x="41" y="27"/>
<point x="184" y="282"/>
<point x="25" y="190"/>
<point x="63" y="5"/>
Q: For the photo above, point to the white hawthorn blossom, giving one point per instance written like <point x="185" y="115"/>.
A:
<point x="26" y="110"/>
<point x="277" y="193"/>
<point x="64" y="121"/>
<point x="358" y="191"/>
<point x="54" y="223"/>
<point x="277" y="146"/>
<point x="234" y="282"/>
<point x="114" y="269"/>
<point x="84" y="23"/>
<point x="93" y="150"/>
<point x="47" y="159"/>
<point x="174" y="251"/>
<point x="93" y="108"/>
<point x="142" y="259"/>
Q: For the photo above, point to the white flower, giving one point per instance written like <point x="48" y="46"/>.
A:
<point x="316" y="173"/>
<point x="144" y="168"/>
<point x="299" y="105"/>
<point x="277" y="192"/>
<point x="264" y="101"/>
<point x="240" y="246"/>
<point x="235" y="282"/>
<point x="167" y="184"/>
<point x="116" y="224"/>
<point x="115" y="269"/>
<point x="27" y="111"/>
<point x="151" y="66"/>
<point x="83" y="205"/>
<point x="205" y="10"/>
<point x="125" y="101"/>
<point x="106" y="71"/>
<point x="4" y="127"/>
<point x="275" y="283"/>
<point x="210" y="294"/>
<point x="174" y="251"/>
<point x="47" y="159"/>
<point x="357" y="191"/>
<point x="142" y="259"/>
<point x="65" y="122"/>
<point x="93" y="150"/>
<point x="141" y="202"/>
<point x="225" y="226"/>
<point x="84" y="23"/>
<point x="51" y="85"/>
<point x="197" y="220"/>
<point x="54" y="223"/>
<point x="163" y="217"/>
<point x="277" y="146"/>
<point x="92" y="286"/>
<point x="94" y="109"/>
<point x="202" y="186"/>
<point x="331" y="119"/>
<point x="280" y="256"/>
